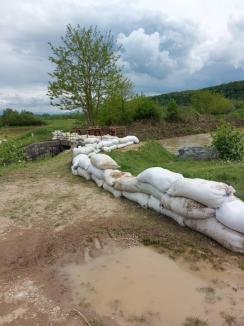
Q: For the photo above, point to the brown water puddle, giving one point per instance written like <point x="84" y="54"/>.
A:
<point x="138" y="286"/>
<point x="175" y="143"/>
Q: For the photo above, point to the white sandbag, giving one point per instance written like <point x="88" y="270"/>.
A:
<point x="109" y="149"/>
<point x="160" y="178"/>
<point x="110" y="142"/>
<point x="127" y="139"/>
<point x="82" y="161"/>
<point x="82" y="150"/>
<point x="148" y="189"/>
<point x="155" y="204"/>
<point x="74" y="171"/>
<point x="131" y="184"/>
<point x="91" y="140"/>
<point x="96" y="172"/>
<point x="103" y="162"/>
<point x="127" y="183"/>
<point x="125" y="144"/>
<point x="139" y="198"/>
<point x="113" y="191"/>
<point x="111" y="176"/>
<point x="231" y="214"/>
<point x="228" y="238"/>
<point x="107" y="137"/>
<point x="187" y="207"/>
<point x="98" y="181"/>
<point x="83" y="173"/>
<point x="208" y="193"/>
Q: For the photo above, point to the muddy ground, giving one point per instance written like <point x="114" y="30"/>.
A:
<point x="50" y="219"/>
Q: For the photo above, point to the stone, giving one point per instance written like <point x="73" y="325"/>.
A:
<point x="198" y="153"/>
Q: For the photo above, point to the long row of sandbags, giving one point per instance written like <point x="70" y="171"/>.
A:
<point x="206" y="206"/>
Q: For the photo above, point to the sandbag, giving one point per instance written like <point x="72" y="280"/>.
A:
<point x="131" y="184"/>
<point x="74" y="171"/>
<point x="110" y="148"/>
<point x="103" y="162"/>
<point x="211" y="227"/>
<point x="111" y="176"/>
<point x="126" y="183"/>
<point x="155" y="204"/>
<point x="83" y="173"/>
<point x="91" y="140"/>
<point x="127" y="139"/>
<point x="82" y="161"/>
<point x="187" y="207"/>
<point x="139" y="198"/>
<point x="160" y="178"/>
<point x="113" y="191"/>
<point x="125" y="144"/>
<point x="96" y="172"/>
<point x="82" y="150"/>
<point x="231" y="214"/>
<point x="98" y="181"/>
<point x="208" y="193"/>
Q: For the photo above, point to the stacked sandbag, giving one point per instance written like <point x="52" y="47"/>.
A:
<point x="205" y="206"/>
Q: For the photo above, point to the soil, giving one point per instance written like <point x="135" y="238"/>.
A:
<point x="204" y="124"/>
<point x="50" y="220"/>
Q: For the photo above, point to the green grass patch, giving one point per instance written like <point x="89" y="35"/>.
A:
<point x="152" y="154"/>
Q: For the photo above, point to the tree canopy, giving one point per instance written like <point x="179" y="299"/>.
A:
<point x="86" y="71"/>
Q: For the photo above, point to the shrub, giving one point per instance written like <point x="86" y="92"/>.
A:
<point x="24" y="118"/>
<point x="144" y="108"/>
<point x="172" y="112"/>
<point x="229" y="143"/>
<point x="11" y="152"/>
<point x="212" y="103"/>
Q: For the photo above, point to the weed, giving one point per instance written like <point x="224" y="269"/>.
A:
<point x="229" y="319"/>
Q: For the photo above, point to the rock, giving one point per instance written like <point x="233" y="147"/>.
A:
<point x="198" y="153"/>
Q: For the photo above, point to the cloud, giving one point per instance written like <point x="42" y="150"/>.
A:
<point x="177" y="45"/>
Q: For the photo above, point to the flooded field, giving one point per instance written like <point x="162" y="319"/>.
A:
<point x="138" y="286"/>
<point x="175" y="143"/>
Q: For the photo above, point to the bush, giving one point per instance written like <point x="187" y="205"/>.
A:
<point x="229" y="143"/>
<point x="145" y="109"/>
<point x="172" y="112"/>
<point x="11" y="152"/>
<point x="24" y="118"/>
<point x="212" y="103"/>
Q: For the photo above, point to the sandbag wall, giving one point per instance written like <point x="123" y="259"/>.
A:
<point x="205" y="206"/>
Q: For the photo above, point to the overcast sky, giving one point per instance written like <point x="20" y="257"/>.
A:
<point x="168" y="44"/>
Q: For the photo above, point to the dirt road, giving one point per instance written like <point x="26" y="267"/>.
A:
<point x="61" y="239"/>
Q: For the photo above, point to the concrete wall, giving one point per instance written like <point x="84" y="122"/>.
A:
<point x="47" y="148"/>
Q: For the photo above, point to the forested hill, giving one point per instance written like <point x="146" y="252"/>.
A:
<point x="233" y="91"/>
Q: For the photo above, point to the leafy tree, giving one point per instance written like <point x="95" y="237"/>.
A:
<point x="172" y="113"/>
<point x="144" y="108"/>
<point x="24" y="118"/>
<point x="229" y="142"/>
<point x="211" y="103"/>
<point x="86" y="71"/>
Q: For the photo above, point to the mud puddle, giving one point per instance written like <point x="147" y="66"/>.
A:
<point x="138" y="286"/>
<point x="175" y="143"/>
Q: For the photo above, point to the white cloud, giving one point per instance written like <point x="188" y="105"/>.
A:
<point x="168" y="45"/>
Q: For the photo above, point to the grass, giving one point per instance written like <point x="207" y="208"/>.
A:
<point x="27" y="135"/>
<point x="152" y="154"/>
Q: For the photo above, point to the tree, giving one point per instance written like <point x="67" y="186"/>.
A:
<point x="172" y="113"/>
<point x="86" y="71"/>
<point x="209" y="102"/>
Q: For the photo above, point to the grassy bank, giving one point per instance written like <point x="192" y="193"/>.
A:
<point x="152" y="154"/>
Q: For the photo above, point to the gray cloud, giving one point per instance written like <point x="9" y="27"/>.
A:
<point x="160" y="54"/>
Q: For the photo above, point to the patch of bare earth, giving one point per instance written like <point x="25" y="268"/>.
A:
<point x="50" y="219"/>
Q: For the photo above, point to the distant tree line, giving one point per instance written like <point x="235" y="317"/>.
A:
<point x="13" y="118"/>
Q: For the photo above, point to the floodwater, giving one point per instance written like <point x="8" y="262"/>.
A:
<point x="138" y="286"/>
<point x="175" y="143"/>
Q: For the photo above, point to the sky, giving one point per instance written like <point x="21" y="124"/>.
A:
<point x="168" y="45"/>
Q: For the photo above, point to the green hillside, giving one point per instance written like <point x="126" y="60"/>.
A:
<point x="233" y="91"/>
